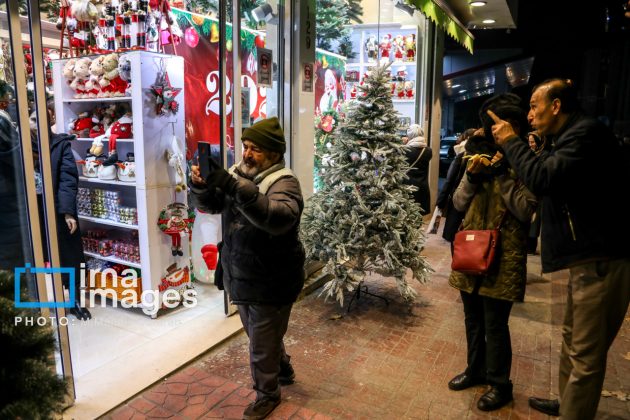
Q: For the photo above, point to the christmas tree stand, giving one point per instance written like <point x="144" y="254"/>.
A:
<point x="363" y="290"/>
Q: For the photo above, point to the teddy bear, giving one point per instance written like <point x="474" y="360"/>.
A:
<point x="400" y="90"/>
<point x="68" y="70"/>
<point x="92" y="86"/>
<point x="111" y="81"/>
<point x="81" y="125"/>
<point x="81" y="73"/>
<point x="409" y="89"/>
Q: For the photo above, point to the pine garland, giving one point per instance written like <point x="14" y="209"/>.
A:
<point x="364" y="219"/>
<point x="30" y="387"/>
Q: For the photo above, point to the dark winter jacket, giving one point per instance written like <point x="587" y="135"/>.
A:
<point x="579" y="182"/>
<point x="262" y="257"/>
<point x="65" y="181"/>
<point x="485" y="199"/>
<point x="419" y="173"/>
<point x="452" y="216"/>
<point x="65" y="176"/>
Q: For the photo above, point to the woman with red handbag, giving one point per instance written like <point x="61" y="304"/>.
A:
<point x="492" y="197"/>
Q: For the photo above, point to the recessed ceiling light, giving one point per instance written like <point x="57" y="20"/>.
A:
<point x="478" y="3"/>
<point x="462" y="91"/>
<point x="456" y="86"/>
<point x="488" y="21"/>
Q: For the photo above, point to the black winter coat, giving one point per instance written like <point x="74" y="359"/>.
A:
<point x="419" y="175"/>
<point x="452" y="217"/>
<point x="580" y="182"/>
<point x="262" y="257"/>
<point x="65" y="180"/>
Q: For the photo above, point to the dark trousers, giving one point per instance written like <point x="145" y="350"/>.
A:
<point x="265" y="326"/>
<point x="488" y="338"/>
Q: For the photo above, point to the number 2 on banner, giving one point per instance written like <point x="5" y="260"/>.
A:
<point x="212" y="84"/>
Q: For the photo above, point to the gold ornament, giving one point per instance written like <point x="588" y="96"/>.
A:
<point x="198" y="20"/>
<point x="214" y="33"/>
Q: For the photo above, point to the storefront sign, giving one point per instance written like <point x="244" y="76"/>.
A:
<point x="307" y="78"/>
<point x="265" y="66"/>
<point x="307" y="31"/>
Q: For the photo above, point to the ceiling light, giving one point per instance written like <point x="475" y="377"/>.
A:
<point x="462" y="91"/>
<point x="264" y="13"/>
<point x="478" y="3"/>
<point x="456" y="86"/>
<point x="488" y="21"/>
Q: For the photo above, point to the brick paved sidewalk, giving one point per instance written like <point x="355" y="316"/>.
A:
<point x="387" y="362"/>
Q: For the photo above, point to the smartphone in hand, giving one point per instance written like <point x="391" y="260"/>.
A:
<point x="206" y="163"/>
<point x="203" y="149"/>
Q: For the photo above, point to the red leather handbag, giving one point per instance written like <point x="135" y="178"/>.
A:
<point x="474" y="251"/>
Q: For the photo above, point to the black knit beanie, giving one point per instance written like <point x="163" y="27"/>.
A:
<point x="506" y="106"/>
<point x="267" y="134"/>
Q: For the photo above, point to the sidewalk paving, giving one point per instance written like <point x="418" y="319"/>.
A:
<point x="388" y="362"/>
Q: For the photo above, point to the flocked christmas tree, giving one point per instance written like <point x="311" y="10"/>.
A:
<point x="364" y="218"/>
<point x="30" y="387"/>
<point x="324" y="129"/>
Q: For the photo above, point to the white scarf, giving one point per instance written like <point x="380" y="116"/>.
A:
<point x="417" y="142"/>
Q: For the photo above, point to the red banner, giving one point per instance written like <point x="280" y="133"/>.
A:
<point x="200" y="50"/>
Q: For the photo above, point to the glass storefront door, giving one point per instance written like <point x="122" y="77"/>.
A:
<point x="27" y="221"/>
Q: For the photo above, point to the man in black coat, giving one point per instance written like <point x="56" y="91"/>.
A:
<point x="262" y="258"/>
<point x="584" y="229"/>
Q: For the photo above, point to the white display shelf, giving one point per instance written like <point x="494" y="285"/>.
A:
<point x="117" y="140"/>
<point x="85" y="100"/>
<point x="359" y="36"/>
<point x="106" y="181"/>
<point x="154" y="186"/>
<point x="108" y="222"/>
<point x="113" y="259"/>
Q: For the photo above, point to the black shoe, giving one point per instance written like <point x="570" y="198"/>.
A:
<point x="495" y="398"/>
<point x="86" y="313"/>
<point x="80" y="313"/>
<point x="260" y="409"/>
<point x="550" y="407"/>
<point x="287" y="374"/>
<point x="180" y="252"/>
<point x="464" y="381"/>
<point x="174" y="251"/>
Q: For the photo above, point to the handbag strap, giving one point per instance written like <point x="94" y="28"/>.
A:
<point x="418" y="158"/>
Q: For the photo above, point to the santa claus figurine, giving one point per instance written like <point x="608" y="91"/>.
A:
<point x="385" y="46"/>
<point x="410" y="47"/>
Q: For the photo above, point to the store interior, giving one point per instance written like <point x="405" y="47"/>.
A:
<point x="126" y="80"/>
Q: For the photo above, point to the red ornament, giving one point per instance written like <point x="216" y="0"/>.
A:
<point x="259" y="41"/>
<point x="191" y="37"/>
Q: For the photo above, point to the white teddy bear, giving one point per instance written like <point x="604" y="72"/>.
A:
<point x="81" y="73"/>
<point x="92" y="86"/>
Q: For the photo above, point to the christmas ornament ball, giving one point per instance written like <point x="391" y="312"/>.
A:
<point x="191" y="37"/>
<point x="259" y="41"/>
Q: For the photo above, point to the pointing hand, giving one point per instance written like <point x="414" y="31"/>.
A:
<point x="501" y="130"/>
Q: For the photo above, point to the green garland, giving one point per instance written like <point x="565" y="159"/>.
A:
<point x="185" y="20"/>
